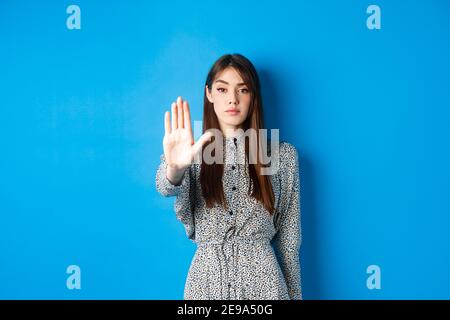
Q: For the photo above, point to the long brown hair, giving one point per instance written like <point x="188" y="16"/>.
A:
<point x="211" y="174"/>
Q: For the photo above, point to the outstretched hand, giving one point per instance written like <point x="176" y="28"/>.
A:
<point x="179" y="146"/>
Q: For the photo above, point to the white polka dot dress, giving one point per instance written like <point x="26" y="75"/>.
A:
<point x="243" y="252"/>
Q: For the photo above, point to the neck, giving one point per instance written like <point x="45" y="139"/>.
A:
<point x="231" y="132"/>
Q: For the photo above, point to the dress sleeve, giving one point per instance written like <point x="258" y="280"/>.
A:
<point x="184" y="193"/>
<point x="288" y="237"/>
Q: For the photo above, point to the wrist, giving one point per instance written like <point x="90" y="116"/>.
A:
<point x="174" y="175"/>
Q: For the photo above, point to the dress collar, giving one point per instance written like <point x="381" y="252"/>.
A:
<point x="235" y="138"/>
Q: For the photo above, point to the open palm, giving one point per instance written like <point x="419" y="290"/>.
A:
<point x="178" y="142"/>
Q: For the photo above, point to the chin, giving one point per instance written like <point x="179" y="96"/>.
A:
<point x="235" y="123"/>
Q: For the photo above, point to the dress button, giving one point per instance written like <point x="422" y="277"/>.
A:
<point x="233" y="167"/>
<point x="234" y="188"/>
<point x="231" y="212"/>
<point x="235" y="141"/>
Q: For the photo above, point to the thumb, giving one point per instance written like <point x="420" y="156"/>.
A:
<point x="201" y="141"/>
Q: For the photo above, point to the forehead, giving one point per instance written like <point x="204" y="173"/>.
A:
<point x="229" y="75"/>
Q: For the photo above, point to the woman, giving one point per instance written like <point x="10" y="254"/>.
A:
<point x="246" y="224"/>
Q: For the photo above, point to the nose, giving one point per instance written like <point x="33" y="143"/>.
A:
<point x="233" y="99"/>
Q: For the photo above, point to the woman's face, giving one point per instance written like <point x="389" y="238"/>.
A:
<point x="231" y="99"/>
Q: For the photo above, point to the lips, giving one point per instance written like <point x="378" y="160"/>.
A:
<point x="232" y="111"/>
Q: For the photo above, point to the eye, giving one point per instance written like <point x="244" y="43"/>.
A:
<point x="244" y="90"/>
<point x="221" y="89"/>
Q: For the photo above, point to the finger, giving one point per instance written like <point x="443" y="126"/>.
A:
<point x="201" y="141"/>
<point x="180" y="112"/>
<point x="174" y="116"/>
<point x="167" y="122"/>
<point x="187" y="117"/>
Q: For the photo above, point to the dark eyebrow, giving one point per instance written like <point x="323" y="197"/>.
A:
<point x="223" y="81"/>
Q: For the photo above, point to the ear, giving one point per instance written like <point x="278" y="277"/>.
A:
<point x="208" y="94"/>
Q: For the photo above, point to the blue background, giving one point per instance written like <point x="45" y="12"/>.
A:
<point x="81" y="128"/>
